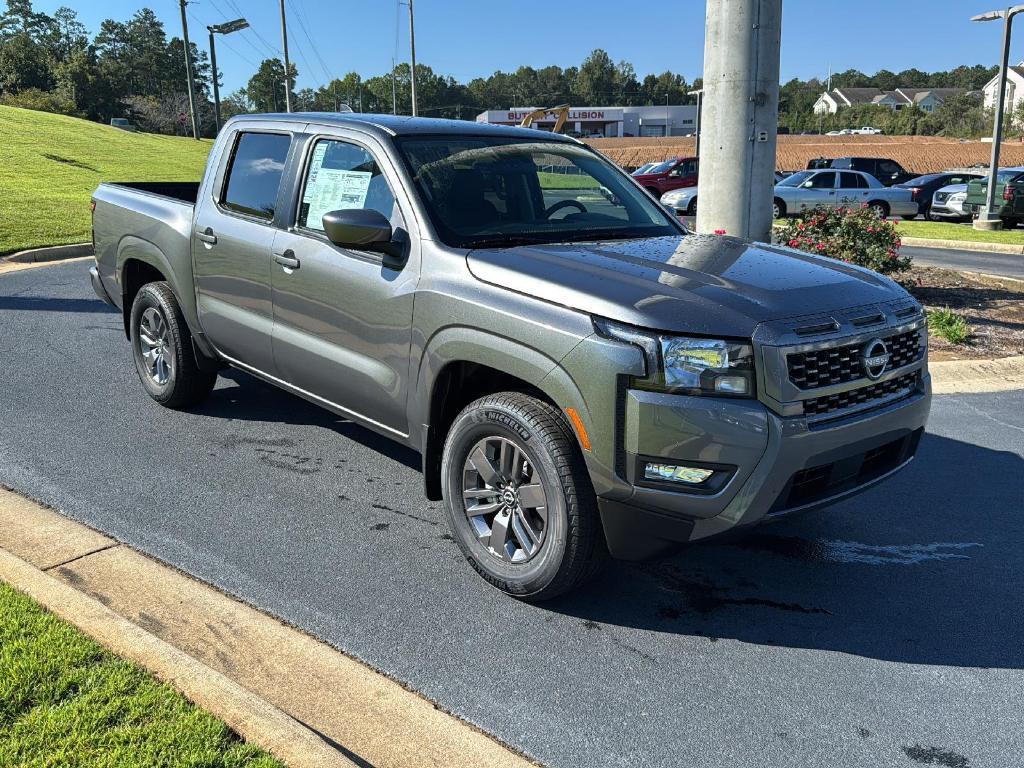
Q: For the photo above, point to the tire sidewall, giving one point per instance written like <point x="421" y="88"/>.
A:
<point x="477" y="422"/>
<point x="146" y="298"/>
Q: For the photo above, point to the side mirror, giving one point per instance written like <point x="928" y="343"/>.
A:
<point x="362" y="229"/>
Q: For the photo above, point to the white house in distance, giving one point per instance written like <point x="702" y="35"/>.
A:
<point x="926" y="99"/>
<point x="1014" y="89"/>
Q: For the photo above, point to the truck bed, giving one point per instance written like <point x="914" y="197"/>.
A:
<point x="186" y="191"/>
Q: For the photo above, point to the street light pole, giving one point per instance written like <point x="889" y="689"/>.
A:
<point x="287" y="65"/>
<point x="988" y="218"/>
<point x="699" y="93"/>
<point x="220" y="29"/>
<point x="188" y="72"/>
<point x="412" y="55"/>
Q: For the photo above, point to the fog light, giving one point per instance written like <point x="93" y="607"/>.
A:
<point x="673" y="473"/>
<point x="734" y="385"/>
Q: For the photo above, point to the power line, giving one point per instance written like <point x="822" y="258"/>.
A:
<point x="312" y="45"/>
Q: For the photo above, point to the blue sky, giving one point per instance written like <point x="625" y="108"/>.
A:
<point x="469" y="38"/>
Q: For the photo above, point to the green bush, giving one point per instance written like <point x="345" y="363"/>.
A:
<point x="949" y="325"/>
<point x="854" y="235"/>
<point x="41" y="101"/>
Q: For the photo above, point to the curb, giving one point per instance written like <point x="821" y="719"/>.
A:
<point x="249" y="716"/>
<point x="963" y="245"/>
<point x="951" y="377"/>
<point x="49" y="253"/>
<point x="298" y="698"/>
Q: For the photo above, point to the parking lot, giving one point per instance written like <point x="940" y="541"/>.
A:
<point x="883" y="631"/>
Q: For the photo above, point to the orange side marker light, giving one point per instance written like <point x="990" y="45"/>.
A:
<point x="581" y="431"/>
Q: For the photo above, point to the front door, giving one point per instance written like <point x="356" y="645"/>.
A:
<point x="231" y="249"/>
<point x="342" y="318"/>
<point x="819" y="190"/>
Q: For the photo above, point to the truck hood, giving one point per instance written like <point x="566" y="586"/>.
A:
<point x="700" y="284"/>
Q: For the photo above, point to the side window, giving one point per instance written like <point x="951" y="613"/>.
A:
<point x="342" y="175"/>
<point x="849" y="180"/>
<point x="887" y="168"/>
<point x="862" y="182"/>
<point x="823" y="181"/>
<point x="254" y="174"/>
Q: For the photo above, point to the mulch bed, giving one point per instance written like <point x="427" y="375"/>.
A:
<point x="994" y="309"/>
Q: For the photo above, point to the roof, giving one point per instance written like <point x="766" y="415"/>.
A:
<point x="858" y="95"/>
<point x="404" y="125"/>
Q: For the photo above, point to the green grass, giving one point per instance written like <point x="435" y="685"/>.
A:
<point x="940" y="230"/>
<point x="949" y="325"/>
<point x="550" y="180"/>
<point x="65" y="701"/>
<point x="50" y="165"/>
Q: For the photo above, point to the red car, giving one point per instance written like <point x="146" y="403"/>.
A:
<point x="671" y="174"/>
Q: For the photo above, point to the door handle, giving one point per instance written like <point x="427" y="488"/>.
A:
<point x="287" y="259"/>
<point x="207" y="236"/>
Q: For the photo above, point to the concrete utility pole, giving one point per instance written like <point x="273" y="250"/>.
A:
<point x="287" y="64"/>
<point x="741" y="101"/>
<point x="412" y="55"/>
<point x="988" y="218"/>
<point x="188" y="72"/>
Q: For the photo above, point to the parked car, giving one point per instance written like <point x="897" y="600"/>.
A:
<point x="683" y="202"/>
<point x="1009" y="195"/>
<point x="923" y="188"/>
<point x="867" y="130"/>
<point x="810" y="189"/>
<point x="580" y="377"/>
<point x="888" y="172"/>
<point x="671" y="174"/>
<point x="950" y="203"/>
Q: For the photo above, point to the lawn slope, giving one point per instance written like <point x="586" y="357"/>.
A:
<point x="50" y="165"/>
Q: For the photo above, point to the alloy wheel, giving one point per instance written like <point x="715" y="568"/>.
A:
<point x="504" y="499"/>
<point x="154" y="344"/>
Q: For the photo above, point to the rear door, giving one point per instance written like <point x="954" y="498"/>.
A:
<point x="853" y="189"/>
<point x="231" y="246"/>
<point x="343" y="317"/>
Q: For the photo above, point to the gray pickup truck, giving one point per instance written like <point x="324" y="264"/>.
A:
<point x="581" y="374"/>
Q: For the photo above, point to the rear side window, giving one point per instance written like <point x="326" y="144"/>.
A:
<point x="888" y="168"/>
<point x="849" y="180"/>
<point x="254" y="175"/>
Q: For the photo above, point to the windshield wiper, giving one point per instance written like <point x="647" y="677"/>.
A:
<point x="504" y="241"/>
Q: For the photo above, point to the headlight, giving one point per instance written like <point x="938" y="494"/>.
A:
<point x="688" y="365"/>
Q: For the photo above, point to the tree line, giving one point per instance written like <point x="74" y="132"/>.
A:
<point x="134" y="69"/>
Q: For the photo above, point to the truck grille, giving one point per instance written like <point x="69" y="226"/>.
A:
<point x="839" y="365"/>
<point x="816" y="406"/>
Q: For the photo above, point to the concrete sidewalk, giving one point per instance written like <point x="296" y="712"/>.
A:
<point x="294" y="696"/>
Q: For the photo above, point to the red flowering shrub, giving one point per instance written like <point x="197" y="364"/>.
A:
<point x="854" y="235"/>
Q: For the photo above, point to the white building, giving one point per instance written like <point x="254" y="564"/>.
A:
<point x="607" y="121"/>
<point x="926" y="99"/>
<point x="1014" y="89"/>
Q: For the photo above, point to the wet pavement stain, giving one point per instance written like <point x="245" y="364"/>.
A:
<point x="936" y="756"/>
<point x="380" y="527"/>
<point x="838" y="551"/>
<point x="703" y="597"/>
<point x="386" y="508"/>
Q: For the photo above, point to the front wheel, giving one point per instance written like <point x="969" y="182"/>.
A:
<point x="518" y="498"/>
<point x="162" y="348"/>
<point x="691" y="209"/>
<point x="778" y="209"/>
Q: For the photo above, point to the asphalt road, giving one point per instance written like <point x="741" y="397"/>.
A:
<point x="1003" y="264"/>
<point x="884" y="631"/>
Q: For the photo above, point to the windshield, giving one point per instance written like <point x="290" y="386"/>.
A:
<point x="796" y="179"/>
<point x="483" y="192"/>
<point x="661" y="167"/>
<point x="643" y="169"/>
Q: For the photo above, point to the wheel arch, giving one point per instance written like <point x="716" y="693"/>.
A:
<point x="461" y="365"/>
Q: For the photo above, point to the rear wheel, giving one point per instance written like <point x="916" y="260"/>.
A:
<point x="1010" y="222"/>
<point x="879" y="208"/>
<point x="518" y="498"/>
<point x="162" y="349"/>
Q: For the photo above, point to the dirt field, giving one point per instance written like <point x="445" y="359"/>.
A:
<point x="920" y="154"/>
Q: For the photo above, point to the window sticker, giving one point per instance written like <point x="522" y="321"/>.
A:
<point x="330" y="189"/>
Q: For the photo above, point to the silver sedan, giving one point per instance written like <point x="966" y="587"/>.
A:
<point x="830" y="188"/>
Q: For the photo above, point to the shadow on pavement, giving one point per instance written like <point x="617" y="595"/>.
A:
<point x="924" y="569"/>
<point x="52" y="304"/>
<point x="253" y="400"/>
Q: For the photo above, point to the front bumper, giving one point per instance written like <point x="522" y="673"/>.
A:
<point x="770" y="457"/>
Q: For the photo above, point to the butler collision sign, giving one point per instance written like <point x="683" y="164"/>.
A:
<point x="608" y="121"/>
